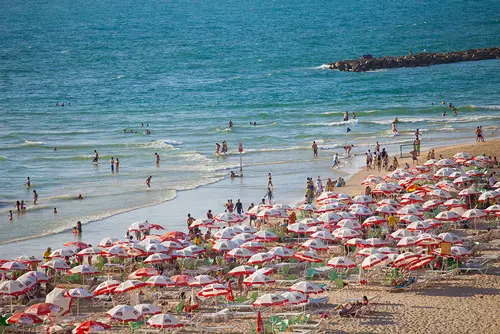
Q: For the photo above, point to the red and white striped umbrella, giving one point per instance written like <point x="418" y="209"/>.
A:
<point x="181" y="280"/>
<point x="202" y="280"/>
<point x="462" y="179"/>
<point x="213" y="290"/>
<point x="454" y="203"/>
<point x="270" y="299"/>
<point x="447" y="216"/>
<point x="27" y="259"/>
<point x="355" y="242"/>
<point x="386" y="209"/>
<point x="266" y="236"/>
<point x="140" y="226"/>
<point x="405" y="258"/>
<point x="349" y="224"/>
<point x="143" y="272"/>
<point x="29" y="282"/>
<point x="310" y="221"/>
<point x="295" y="298"/>
<point x="407" y="241"/>
<point x="375" y="242"/>
<point x="62" y="252"/>
<point x="260" y="258"/>
<point x="56" y="264"/>
<point x="298" y="228"/>
<point x="373" y="260"/>
<point x="418" y="226"/>
<point x="460" y="251"/>
<point x="346" y="215"/>
<point x="410" y="218"/>
<point x="341" y="262"/>
<point x="84" y="269"/>
<point x="401" y="233"/>
<point x="202" y="222"/>
<point x="430" y="162"/>
<point x="90" y="251"/>
<point x="106" y="287"/>
<point x="79" y="293"/>
<point x="160" y="280"/>
<point x="314" y="229"/>
<point x="258" y="279"/>
<point x="387" y="201"/>
<point x="315" y="244"/>
<point x="440" y="194"/>
<point x="493" y="208"/>
<point x="409" y="210"/>
<point x="388" y="250"/>
<point x="412" y="198"/>
<point x="107" y="242"/>
<point x="374" y="220"/>
<point x="306" y="287"/>
<point x="361" y="211"/>
<point x="147" y="309"/>
<point x="323" y="235"/>
<point x="420" y="262"/>
<point x="123" y="313"/>
<point x="445" y="163"/>
<point x="228" y="218"/>
<point x="12" y="288"/>
<point x="468" y="192"/>
<point x="326" y="195"/>
<point x="474" y="214"/>
<point x="345" y="233"/>
<point x="129" y="285"/>
<point x="308" y="256"/>
<point x="24" y="319"/>
<point x="329" y="217"/>
<point x="43" y="309"/>
<point x="365" y="252"/>
<point x="474" y="172"/>
<point x="244" y="237"/>
<point x="13" y="266"/>
<point x="330" y="207"/>
<point x="253" y="245"/>
<point x="156" y="248"/>
<point x="241" y="270"/>
<point x="281" y="252"/>
<point x="363" y="199"/>
<point x="226" y="233"/>
<point x="194" y="249"/>
<point x="224" y="245"/>
<point x="157" y="258"/>
<point x="307" y="208"/>
<point x="116" y="251"/>
<point x="427" y="239"/>
<point x="240" y="253"/>
<point x="164" y="321"/>
<point x="432" y="204"/>
<point x="451" y="238"/>
<point x="172" y="245"/>
<point x="434" y="222"/>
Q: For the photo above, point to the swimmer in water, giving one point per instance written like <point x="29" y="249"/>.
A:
<point x="396" y="120"/>
<point x="117" y="164"/>
<point x="112" y="164"/>
<point x="217" y="148"/>
<point x="157" y="159"/>
<point x="79" y="196"/>
<point x="96" y="157"/>
<point x="28" y="182"/>
<point x="394" y="130"/>
<point x="353" y="115"/>
<point x="35" y="196"/>
<point x="230" y="124"/>
<point x="10" y="214"/>
<point x="55" y="211"/>
<point x="346" y="116"/>
<point x="148" y="181"/>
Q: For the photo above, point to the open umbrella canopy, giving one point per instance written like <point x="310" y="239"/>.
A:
<point x="12" y="288"/>
<point x="106" y="287"/>
<point x="367" y="252"/>
<point x="129" y="285"/>
<point x="123" y="313"/>
<point x="281" y="252"/>
<point x="181" y="280"/>
<point x="253" y="245"/>
<point x="164" y="321"/>
<point x="258" y="279"/>
<point x="116" y="251"/>
<point x="401" y="233"/>
<point x="307" y="208"/>
<point x="298" y="228"/>
<point x="308" y="256"/>
<point x="224" y="245"/>
<point x="241" y="270"/>
<point x="295" y="298"/>
<point x="407" y="241"/>
<point x="323" y="235"/>
<point x="270" y="299"/>
<point x="386" y="209"/>
<point x="159" y="280"/>
<point x="315" y="244"/>
<point x="329" y="217"/>
<point x="107" y="242"/>
<point x="13" y="266"/>
<point x="363" y="199"/>
<point x="157" y="258"/>
<point x="432" y="204"/>
<point x="213" y="290"/>
<point x="140" y="226"/>
<point x="447" y="216"/>
<point x="147" y="309"/>
<point x="451" y="238"/>
<point x="143" y="272"/>
<point x="418" y="226"/>
<point x="341" y="262"/>
<point x="56" y="264"/>
<point x="79" y="293"/>
<point x="84" y="269"/>
<point x="306" y="287"/>
<point x="474" y="214"/>
<point x="260" y="258"/>
<point x="226" y="233"/>
<point x="43" y="309"/>
<point x="374" y="242"/>
<point x="90" y="251"/>
<point x="266" y="236"/>
<point x="348" y="223"/>
<point x="202" y="280"/>
<point x="373" y="260"/>
<point x="374" y="220"/>
<point x="27" y="259"/>
<point x="240" y="253"/>
<point x="244" y="237"/>
<point x="90" y="326"/>
<point x="345" y="233"/>
<point x="24" y="319"/>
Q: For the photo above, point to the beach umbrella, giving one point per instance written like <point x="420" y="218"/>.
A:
<point x="116" y="251"/>
<point x="157" y="258"/>
<point x="284" y="207"/>
<point x="90" y="326"/>
<point x="433" y="222"/>
<point x="202" y="222"/>
<point x="374" y="242"/>
<point x="266" y="236"/>
<point x="450" y="237"/>
<point x="281" y="252"/>
<point x="244" y="237"/>
<point x="341" y="262"/>
<point x="315" y="244"/>
<point x="313" y="229"/>
<point x="29" y="282"/>
<point x="410" y="218"/>
<point x="374" y="220"/>
<point x="444" y="163"/>
<point x="62" y="252"/>
<point x="349" y="224"/>
<point x="460" y="251"/>
<point x="258" y="279"/>
<point x="363" y="199"/>
<point x="224" y="245"/>
<point x="242" y="253"/>
<point x="84" y="269"/>
<point x="41" y="309"/>
<point x="174" y="236"/>
<point x="164" y="320"/>
<point x="58" y="297"/>
<point x="493" y="209"/>
<point x="143" y="272"/>
<point x="246" y="228"/>
<point x="242" y="270"/>
<point x="295" y="298"/>
<point x="462" y="179"/>
<point x="407" y="241"/>
<point x="270" y="299"/>
<point x="346" y="215"/>
<point x="202" y="280"/>
<point x="367" y="252"/>
<point x="382" y="188"/>
<point x="399" y="234"/>
<point x="27" y="259"/>
<point x="106" y="287"/>
<point x="326" y="195"/>
<point x="90" y="251"/>
<point x="13" y="266"/>
<point x="310" y="221"/>
<point x="440" y="193"/>
<point x="423" y="177"/>
<point x="323" y="235"/>
<point x="462" y="155"/>
<point x="361" y="210"/>
<point x="307" y="208"/>
<point x="444" y="172"/>
<point x="214" y="290"/>
<point x="129" y="285"/>
<point x="123" y="313"/>
<point x="194" y="249"/>
<point x="227" y="217"/>
<point x="79" y="293"/>
<point x="329" y="217"/>
<point x="147" y="309"/>
<point x="355" y="242"/>
<point x="156" y="248"/>
<point x="56" y="264"/>
<point x="388" y="250"/>
<point x="427" y="239"/>
<point x="12" y="288"/>
<point x="372" y="179"/>
<point x="107" y="242"/>
<point x="271" y="212"/>
<point x="172" y="245"/>
<point x="432" y="204"/>
<point x="308" y="256"/>
<point x="306" y="287"/>
<point x="264" y="271"/>
<point x="474" y="214"/>
<point x="181" y="280"/>
<point x="430" y="162"/>
<point x="409" y="210"/>
<point x="260" y="258"/>
<point x="489" y="195"/>
<point x="345" y="233"/>
<point x="418" y="226"/>
<point x="403" y="259"/>
<point x="298" y="228"/>
<point x="24" y="319"/>
<point x="386" y="209"/>
<point x="420" y="262"/>
<point x="159" y="280"/>
<point x="226" y="233"/>
<point x="412" y="198"/>
<point x="140" y="226"/>
<point x="330" y="207"/>
<point x="387" y="201"/>
<point x="373" y="260"/>
<point x="447" y="216"/>
<point x="468" y="192"/>
<point x="253" y="245"/>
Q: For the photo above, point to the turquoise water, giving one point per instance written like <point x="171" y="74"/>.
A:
<point x="187" y="67"/>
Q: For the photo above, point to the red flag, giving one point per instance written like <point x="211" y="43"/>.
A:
<point x="229" y="295"/>
<point x="260" y="323"/>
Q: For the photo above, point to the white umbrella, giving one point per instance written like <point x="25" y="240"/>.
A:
<point x="281" y="252"/>
<point x="295" y="298"/>
<point x="164" y="321"/>
<point x="306" y="287"/>
<point x="160" y="280"/>
<point x="341" y="262"/>
<point x="373" y="260"/>
<point x="240" y="253"/>
<point x="270" y="299"/>
<point x="123" y="313"/>
<point x="147" y="309"/>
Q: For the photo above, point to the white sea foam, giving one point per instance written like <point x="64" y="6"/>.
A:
<point x="340" y="123"/>
<point x="32" y="143"/>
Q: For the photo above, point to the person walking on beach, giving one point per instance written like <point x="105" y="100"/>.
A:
<point x="148" y="181"/>
<point x="96" y="157"/>
<point x="319" y="186"/>
<point x="28" y="182"/>
<point x="368" y="162"/>
<point x="336" y="160"/>
<point x="239" y="207"/>
<point x="315" y="149"/>
<point x="35" y="196"/>
<point x="112" y="164"/>
<point x="157" y="159"/>
<point x="416" y="144"/>
<point x="269" y="195"/>
<point x="414" y="157"/>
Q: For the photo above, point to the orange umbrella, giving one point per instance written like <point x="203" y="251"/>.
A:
<point x="90" y="327"/>
<point x="173" y="235"/>
<point x="144" y="272"/>
<point x="181" y="279"/>
<point x="25" y="319"/>
<point x="43" y="309"/>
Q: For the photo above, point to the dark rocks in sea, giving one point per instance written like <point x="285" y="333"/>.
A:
<point x="369" y="63"/>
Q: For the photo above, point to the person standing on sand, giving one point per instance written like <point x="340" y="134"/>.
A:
<point x="319" y="186"/>
<point x="239" y="207"/>
<point x="414" y="157"/>
<point x="148" y="181"/>
<point x="315" y="149"/>
<point x="269" y="195"/>
<point x="35" y="196"/>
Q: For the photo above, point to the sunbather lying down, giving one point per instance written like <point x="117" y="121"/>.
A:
<point x="350" y="309"/>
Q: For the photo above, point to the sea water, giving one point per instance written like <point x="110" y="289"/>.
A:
<point x="183" y="69"/>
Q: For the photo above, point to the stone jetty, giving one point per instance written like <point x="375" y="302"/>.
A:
<point x="369" y="63"/>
